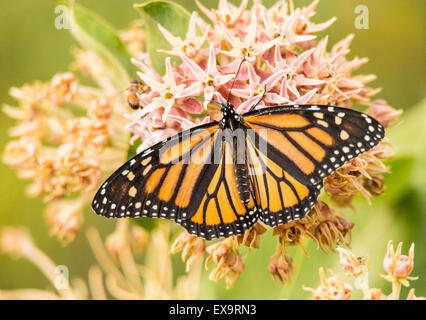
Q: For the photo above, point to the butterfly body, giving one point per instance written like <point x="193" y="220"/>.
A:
<point x="218" y="179"/>
<point x="231" y="124"/>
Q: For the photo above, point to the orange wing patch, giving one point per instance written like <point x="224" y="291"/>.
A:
<point x="281" y="143"/>
<point x="288" y="195"/>
<point x="212" y="213"/>
<point x="225" y="207"/>
<point x="199" y="215"/>
<point x="321" y="136"/>
<point x="315" y="150"/>
<point x="154" y="180"/>
<point x="283" y="121"/>
<point x="172" y="150"/>
<point x="274" y="199"/>
<point x="172" y="177"/>
<point x="274" y="182"/>
<point x="301" y="189"/>
<point x="192" y="173"/>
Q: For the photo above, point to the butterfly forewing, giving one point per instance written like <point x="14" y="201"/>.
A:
<point x="160" y="181"/>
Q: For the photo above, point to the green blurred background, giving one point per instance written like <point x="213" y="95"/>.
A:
<point x="31" y="48"/>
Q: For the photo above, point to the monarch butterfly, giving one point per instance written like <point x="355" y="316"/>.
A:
<point x="216" y="186"/>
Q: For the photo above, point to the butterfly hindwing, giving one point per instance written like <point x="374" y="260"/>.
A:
<point x="222" y="212"/>
<point x="279" y="196"/>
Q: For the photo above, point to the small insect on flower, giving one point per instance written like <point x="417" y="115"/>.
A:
<point x="136" y="87"/>
<point x="220" y="178"/>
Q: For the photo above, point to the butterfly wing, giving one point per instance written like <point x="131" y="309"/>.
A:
<point x="296" y="147"/>
<point x="188" y="178"/>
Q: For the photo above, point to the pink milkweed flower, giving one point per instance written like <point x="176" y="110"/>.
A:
<point x="351" y="264"/>
<point x="256" y="88"/>
<point x="397" y="265"/>
<point x="354" y="266"/>
<point x="168" y="91"/>
<point x="286" y="32"/>
<point x="333" y="288"/>
<point x="144" y="63"/>
<point x="294" y="78"/>
<point x="210" y="78"/>
<point x="226" y="13"/>
<point x="305" y="26"/>
<point x="192" y="44"/>
<point x="246" y="47"/>
<point x="385" y="114"/>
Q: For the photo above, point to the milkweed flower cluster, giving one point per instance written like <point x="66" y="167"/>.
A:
<point x="286" y="64"/>
<point x="398" y="268"/>
<point x="57" y="150"/>
<point x="70" y="135"/>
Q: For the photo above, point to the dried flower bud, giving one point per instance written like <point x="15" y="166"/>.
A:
<point x="227" y="262"/>
<point x="251" y="238"/>
<point x="327" y="228"/>
<point x="191" y="246"/>
<point x="21" y="154"/>
<point x="63" y="88"/>
<point x="293" y="233"/>
<point x="100" y="109"/>
<point x="64" y="218"/>
<point x="375" y="185"/>
<point x="346" y="182"/>
<point x="281" y="267"/>
<point x="323" y="211"/>
<point x="384" y="113"/>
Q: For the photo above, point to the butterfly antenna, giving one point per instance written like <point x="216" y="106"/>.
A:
<point x="233" y="82"/>
<point x="260" y="100"/>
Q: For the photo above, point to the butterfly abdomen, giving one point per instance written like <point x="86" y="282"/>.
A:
<point x="241" y="169"/>
<point x="241" y="174"/>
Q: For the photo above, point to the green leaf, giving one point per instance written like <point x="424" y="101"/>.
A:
<point x="92" y="32"/>
<point x="132" y="150"/>
<point x="172" y="17"/>
<point x="409" y="139"/>
<point x="145" y="222"/>
<point x="399" y="178"/>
